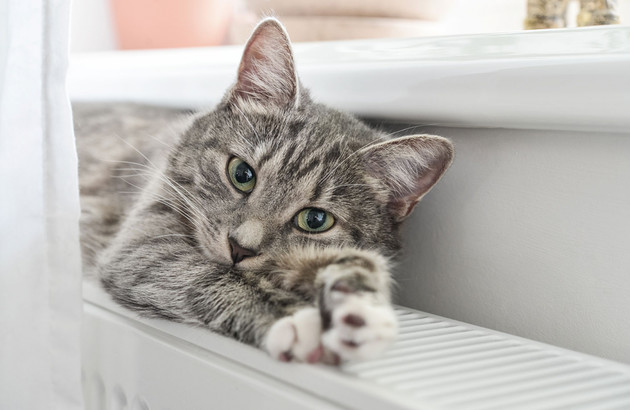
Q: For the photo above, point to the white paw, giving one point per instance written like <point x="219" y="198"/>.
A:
<point x="296" y="337"/>
<point x="360" y="329"/>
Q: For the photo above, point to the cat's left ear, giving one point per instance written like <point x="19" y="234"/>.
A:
<point x="408" y="167"/>
<point x="267" y="71"/>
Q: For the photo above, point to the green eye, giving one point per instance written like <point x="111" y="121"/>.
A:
<point x="241" y="174"/>
<point x="314" y="220"/>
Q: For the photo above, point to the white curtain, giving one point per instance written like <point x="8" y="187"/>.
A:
<point x="40" y="284"/>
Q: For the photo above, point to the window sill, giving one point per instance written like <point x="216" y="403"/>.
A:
<point x="550" y="79"/>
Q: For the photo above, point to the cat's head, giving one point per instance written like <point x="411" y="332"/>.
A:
<point x="269" y="169"/>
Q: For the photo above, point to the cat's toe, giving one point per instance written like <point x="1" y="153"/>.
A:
<point x="360" y="329"/>
<point x="280" y="339"/>
<point x="296" y="337"/>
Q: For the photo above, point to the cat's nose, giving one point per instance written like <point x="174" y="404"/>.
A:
<point x="239" y="252"/>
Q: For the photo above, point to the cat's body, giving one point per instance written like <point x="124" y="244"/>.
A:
<point x="115" y="142"/>
<point x="270" y="219"/>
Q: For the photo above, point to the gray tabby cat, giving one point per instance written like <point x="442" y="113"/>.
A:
<point x="271" y="219"/>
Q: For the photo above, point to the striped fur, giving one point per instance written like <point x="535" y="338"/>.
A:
<point x="162" y="249"/>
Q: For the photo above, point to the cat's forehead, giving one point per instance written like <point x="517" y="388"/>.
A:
<point x="302" y="155"/>
<point x="298" y="141"/>
<point x="301" y="165"/>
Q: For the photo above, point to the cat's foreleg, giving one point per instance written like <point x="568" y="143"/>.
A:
<point x="353" y="320"/>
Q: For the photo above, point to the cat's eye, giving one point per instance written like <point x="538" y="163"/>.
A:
<point x="314" y="220"/>
<point x="241" y="175"/>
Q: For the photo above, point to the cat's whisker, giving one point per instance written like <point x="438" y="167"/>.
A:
<point x="170" y="182"/>
<point x="166" y="201"/>
<point x="173" y="206"/>
<point x="138" y="151"/>
<point x="158" y="173"/>
<point x="145" y="166"/>
<point x="167" y="145"/>
<point x="188" y="199"/>
<point x="394" y="133"/>
<point x="128" y="169"/>
<point x="130" y="184"/>
<point x="417" y="126"/>
<point x="140" y="174"/>
<point x="173" y="235"/>
<point x="165" y="178"/>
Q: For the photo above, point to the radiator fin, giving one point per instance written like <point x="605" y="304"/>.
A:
<point x="453" y="366"/>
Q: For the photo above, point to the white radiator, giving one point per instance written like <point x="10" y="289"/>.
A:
<point x="436" y="363"/>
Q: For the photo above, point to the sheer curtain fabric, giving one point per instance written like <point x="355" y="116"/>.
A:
<point x="40" y="272"/>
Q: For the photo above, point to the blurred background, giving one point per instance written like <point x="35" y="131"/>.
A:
<point x="99" y="25"/>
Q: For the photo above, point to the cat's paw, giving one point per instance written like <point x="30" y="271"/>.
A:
<point x="361" y="327"/>
<point x="359" y="322"/>
<point x="355" y="320"/>
<point x="296" y="337"/>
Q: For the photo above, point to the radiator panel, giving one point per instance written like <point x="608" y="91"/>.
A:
<point x="435" y="363"/>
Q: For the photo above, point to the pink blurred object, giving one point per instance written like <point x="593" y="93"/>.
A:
<point x="330" y="28"/>
<point x="406" y="9"/>
<point x="327" y="20"/>
<point x="171" y="23"/>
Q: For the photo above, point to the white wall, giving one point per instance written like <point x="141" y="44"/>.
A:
<point x="528" y="233"/>
<point x="91" y="26"/>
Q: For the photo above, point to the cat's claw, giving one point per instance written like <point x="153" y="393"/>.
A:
<point x="296" y="337"/>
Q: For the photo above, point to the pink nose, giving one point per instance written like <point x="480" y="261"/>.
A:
<point x="238" y="252"/>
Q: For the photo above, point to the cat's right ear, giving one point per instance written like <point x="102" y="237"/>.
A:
<point x="267" y="74"/>
<point x="408" y="167"/>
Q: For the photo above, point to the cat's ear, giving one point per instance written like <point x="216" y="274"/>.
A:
<point x="267" y="71"/>
<point x="408" y="167"/>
